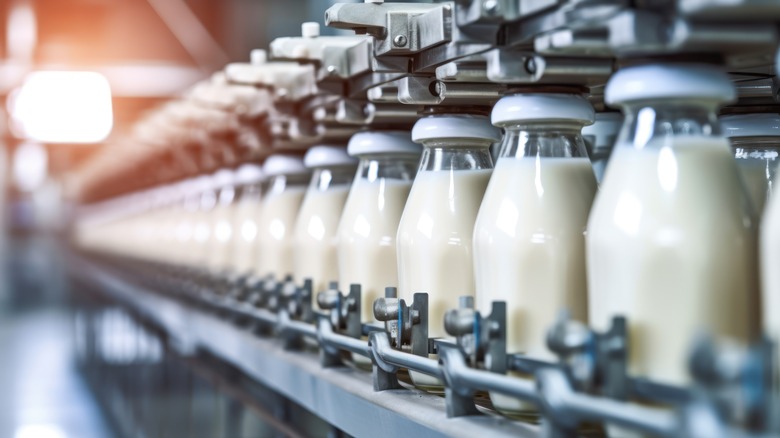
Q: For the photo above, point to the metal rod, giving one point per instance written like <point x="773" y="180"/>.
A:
<point x="328" y="337"/>
<point x="407" y="360"/>
<point x="561" y="399"/>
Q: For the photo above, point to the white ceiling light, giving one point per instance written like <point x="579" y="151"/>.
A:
<point x="63" y="107"/>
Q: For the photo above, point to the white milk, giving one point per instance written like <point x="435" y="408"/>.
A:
<point x="367" y="238"/>
<point x="244" y="258"/>
<point x="222" y="235"/>
<point x="316" y="237"/>
<point x="529" y="245"/>
<point x="435" y="244"/>
<point x="529" y="250"/>
<point x="185" y="233"/>
<point x="669" y="247"/>
<point x="200" y="243"/>
<point x="168" y="220"/>
<point x="435" y="240"/>
<point x="770" y="276"/>
<point x="275" y="232"/>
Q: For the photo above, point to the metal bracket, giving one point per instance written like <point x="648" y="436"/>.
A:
<point x="594" y="361"/>
<point x="237" y="287"/>
<point x="383" y="374"/>
<point x="482" y="340"/>
<point x="737" y="379"/>
<point x="343" y="316"/>
<point x="406" y="328"/>
<point x="344" y="310"/>
<point x="479" y="341"/>
<point x="329" y="356"/>
<point x="297" y="301"/>
<point x="406" y="325"/>
<point x="458" y="398"/>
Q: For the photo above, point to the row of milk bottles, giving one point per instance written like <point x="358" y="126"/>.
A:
<point x="668" y="238"/>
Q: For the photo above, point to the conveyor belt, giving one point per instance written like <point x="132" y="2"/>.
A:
<point x="342" y="396"/>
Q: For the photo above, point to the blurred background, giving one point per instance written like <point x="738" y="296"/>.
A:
<point x="106" y="62"/>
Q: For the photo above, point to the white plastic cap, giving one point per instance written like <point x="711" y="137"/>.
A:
<point x="751" y="125"/>
<point x="387" y="142"/>
<point x="328" y="156"/>
<point x="310" y="29"/>
<point x="540" y="107"/>
<point x="249" y="173"/>
<point x="258" y="57"/>
<point x="602" y="133"/>
<point x="185" y="186"/>
<point x="281" y="164"/>
<point x="664" y="81"/>
<point x="455" y="127"/>
<point x="223" y="178"/>
<point x="202" y="183"/>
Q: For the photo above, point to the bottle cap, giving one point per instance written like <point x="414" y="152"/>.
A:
<point x="310" y="29"/>
<point x="282" y="164"/>
<point x="328" y="156"/>
<point x="223" y="178"/>
<point x="202" y="183"/>
<point x="704" y="83"/>
<point x="541" y="107"/>
<point x="386" y="142"/>
<point x="462" y="126"/>
<point x="249" y="173"/>
<point x="751" y="125"/>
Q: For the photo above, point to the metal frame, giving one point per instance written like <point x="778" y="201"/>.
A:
<point x="342" y="396"/>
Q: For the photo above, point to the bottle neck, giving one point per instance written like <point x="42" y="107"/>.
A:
<point x="462" y="155"/>
<point x="325" y="178"/>
<point x="279" y="183"/>
<point x="376" y="167"/>
<point x="656" y="125"/>
<point x="756" y="147"/>
<point x="208" y="200"/>
<point x="555" y="140"/>
<point x="249" y="192"/>
<point x="226" y="195"/>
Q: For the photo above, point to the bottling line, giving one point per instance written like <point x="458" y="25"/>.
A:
<point x="421" y="227"/>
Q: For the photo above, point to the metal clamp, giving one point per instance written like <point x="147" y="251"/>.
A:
<point x="594" y="361"/>
<point x="482" y="340"/>
<point x="297" y="301"/>
<point x="738" y="380"/>
<point x="294" y="306"/>
<point x="406" y="329"/>
<point x="406" y="325"/>
<point x="344" y="310"/>
<point x="461" y="381"/>
<point x="343" y="316"/>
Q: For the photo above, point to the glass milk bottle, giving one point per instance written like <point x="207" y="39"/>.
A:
<point x="286" y="178"/>
<point x="437" y="225"/>
<point x="755" y="139"/>
<point x="770" y="231"/>
<point x="205" y="200"/>
<point x="670" y="241"/>
<point x="247" y="210"/>
<point x="599" y="140"/>
<point x="529" y="242"/>
<point x="316" y="228"/>
<point x="165" y="219"/>
<point x="222" y="220"/>
<point x="186" y="221"/>
<point x="369" y="223"/>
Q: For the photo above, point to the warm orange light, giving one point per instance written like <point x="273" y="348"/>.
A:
<point x="64" y="107"/>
